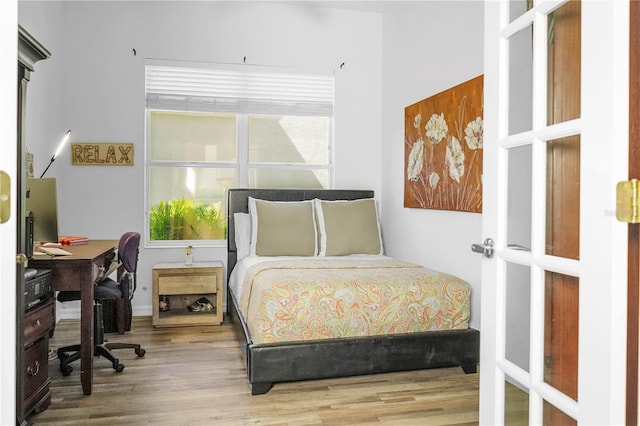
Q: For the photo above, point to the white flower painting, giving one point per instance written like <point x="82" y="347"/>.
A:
<point x="436" y="128"/>
<point x="443" y="158"/>
<point x="416" y="161"/>
<point x="434" y="178"/>
<point x="473" y="134"/>
<point x="454" y="159"/>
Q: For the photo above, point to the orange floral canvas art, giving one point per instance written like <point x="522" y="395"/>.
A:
<point x="443" y="150"/>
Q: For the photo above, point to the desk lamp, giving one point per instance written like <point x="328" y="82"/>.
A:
<point x="55" y="154"/>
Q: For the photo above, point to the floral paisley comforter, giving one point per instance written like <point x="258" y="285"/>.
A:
<point x="312" y="298"/>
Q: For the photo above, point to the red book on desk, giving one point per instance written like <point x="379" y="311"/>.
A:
<point x="73" y="240"/>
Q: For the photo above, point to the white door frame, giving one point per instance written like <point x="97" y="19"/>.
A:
<point x="8" y="124"/>
<point x="602" y="268"/>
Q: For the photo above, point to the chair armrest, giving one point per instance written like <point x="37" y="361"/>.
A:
<point x="126" y="286"/>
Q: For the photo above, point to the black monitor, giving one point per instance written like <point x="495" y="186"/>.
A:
<point x="42" y="204"/>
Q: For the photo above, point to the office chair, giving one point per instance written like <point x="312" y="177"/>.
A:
<point x="108" y="289"/>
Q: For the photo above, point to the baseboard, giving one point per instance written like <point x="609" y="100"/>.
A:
<point x="73" y="312"/>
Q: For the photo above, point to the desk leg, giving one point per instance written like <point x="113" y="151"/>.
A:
<point x="86" y="333"/>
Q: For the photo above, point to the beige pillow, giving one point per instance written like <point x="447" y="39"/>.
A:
<point x="282" y="228"/>
<point x="348" y="227"/>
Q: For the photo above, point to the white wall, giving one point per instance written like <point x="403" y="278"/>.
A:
<point x="427" y="47"/>
<point x="94" y="85"/>
<point x="44" y="124"/>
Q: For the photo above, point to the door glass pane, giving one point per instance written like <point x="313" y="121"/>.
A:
<point x="561" y="333"/>
<point x="563" y="62"/>
<point x="519" y="197"/>
<point x="516" y="403"/>
<point x="289" y="139"/>
<point x="190" y="136"/>
<point x="554" y="417"/>
<point x="563" y="197"/>
<point x="520" y="81"/>
<point x="187" y="203"/>
<point x="288" y="178"/>
<point x="518" y="297"/>
<point x="518" y="7"/>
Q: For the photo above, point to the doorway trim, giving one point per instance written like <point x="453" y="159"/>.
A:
<point x="633" y="308"/>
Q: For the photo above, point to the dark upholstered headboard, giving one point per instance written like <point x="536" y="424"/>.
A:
<point x="238" y="201"/>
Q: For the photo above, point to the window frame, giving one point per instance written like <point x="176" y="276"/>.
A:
<point x="242" y="166"/>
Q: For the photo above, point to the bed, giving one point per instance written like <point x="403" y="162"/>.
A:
<point x="277" y="348"/>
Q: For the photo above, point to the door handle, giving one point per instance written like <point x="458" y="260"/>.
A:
<point x="22" y="259"/>
<point x="487" y="248"/>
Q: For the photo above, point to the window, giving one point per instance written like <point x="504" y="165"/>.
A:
<point x="217" y="127"/>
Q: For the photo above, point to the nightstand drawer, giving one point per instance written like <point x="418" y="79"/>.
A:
<point x="191" y="283"/>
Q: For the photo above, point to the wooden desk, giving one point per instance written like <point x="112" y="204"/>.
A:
<point x="78" y="272"/>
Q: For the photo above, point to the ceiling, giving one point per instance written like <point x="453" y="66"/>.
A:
<point x="379" y="6"/>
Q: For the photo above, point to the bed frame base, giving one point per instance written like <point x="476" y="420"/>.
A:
<point x="288" y="362"/>
<point x="470" y="368"/>
<point x="260" y="388"/>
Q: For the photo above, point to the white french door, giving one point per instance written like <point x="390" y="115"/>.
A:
<point x="8" y="219"/>
<point x="556" y="143"/>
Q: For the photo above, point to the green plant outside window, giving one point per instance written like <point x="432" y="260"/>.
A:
<point x="184" y="219"/>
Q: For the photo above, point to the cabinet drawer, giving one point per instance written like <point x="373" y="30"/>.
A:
<point x="36" y="366"/>
<point x="187" y="284"/>
<point x="38" y="321"/>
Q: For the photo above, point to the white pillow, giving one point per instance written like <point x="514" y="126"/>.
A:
<point x="242" y="226"/>
<point x="283" y="228"/>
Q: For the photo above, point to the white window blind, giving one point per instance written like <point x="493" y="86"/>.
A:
<point x="241" y="89"/>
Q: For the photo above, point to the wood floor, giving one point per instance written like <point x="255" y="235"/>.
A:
<point x="195" y="376"/>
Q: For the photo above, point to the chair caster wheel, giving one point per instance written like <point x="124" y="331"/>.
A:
<point x="118" y="368"/>
<point x="140" y="352"/>
<point x="66" y="370"/>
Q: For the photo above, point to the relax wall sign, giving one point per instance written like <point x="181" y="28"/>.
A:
<point x="102" y="154"/>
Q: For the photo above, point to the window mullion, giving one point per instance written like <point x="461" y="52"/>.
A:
<point x="301" y="166"/>
<point x="242" y="135"/>
<point x="206" y="164"/>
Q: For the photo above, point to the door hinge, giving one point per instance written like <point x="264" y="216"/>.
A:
<point x="627" y="195"/>
<point x="5" y="197"/>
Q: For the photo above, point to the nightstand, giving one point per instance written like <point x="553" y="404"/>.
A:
<point x="178" y="286"/>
